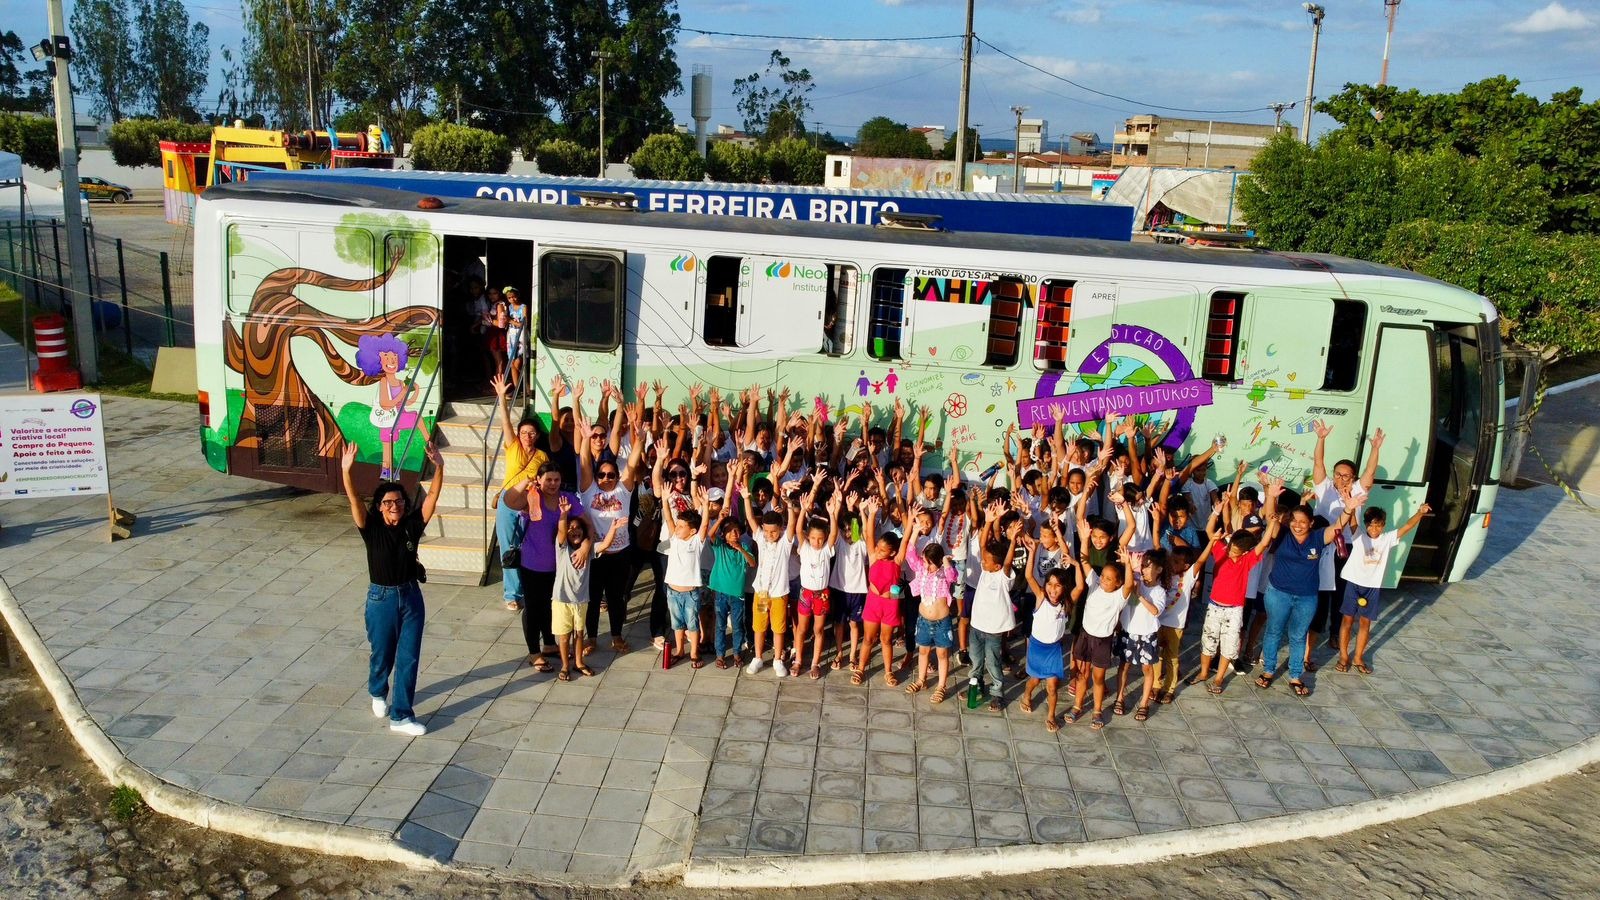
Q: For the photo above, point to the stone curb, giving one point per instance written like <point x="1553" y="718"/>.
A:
<point x="861" y="868"/>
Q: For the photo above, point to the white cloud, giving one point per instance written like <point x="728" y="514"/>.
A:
<point x="1083" y="13"/>
<point x="1554" y="17"/>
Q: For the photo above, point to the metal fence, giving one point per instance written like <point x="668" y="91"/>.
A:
<point x="143" y="299"/>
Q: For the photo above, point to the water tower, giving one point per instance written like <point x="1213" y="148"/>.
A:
<point x="700" y="105"/>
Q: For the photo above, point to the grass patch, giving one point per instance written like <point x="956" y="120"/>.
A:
<point x="126" y="803"/>
<point x="120" y="374"/>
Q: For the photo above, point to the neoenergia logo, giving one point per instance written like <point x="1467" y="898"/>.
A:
<point x="682" y="263"/>
<point x="779" y="269"/>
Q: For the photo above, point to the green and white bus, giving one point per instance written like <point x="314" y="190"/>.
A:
<point x="295" y="278"/>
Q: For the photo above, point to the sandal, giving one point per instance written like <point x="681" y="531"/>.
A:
<point x="996" y="704"/>
<point x="1363" y="668"/>
<point x="564" y="675"/>
<point x="1166" y="697"/>
<point x="916" y="686"/>
<point x="1026" y="704"/>
<point x="1264" y="682"/>
<point x="696" y="662"/>
<point x="1341" y="666"/>
<point x="539" y="663"/>
<point x="1051" y="726"/>
<point x="587" y="672"/>
<point x="722" y="662"/>
<point x="1196" y="678"/>
<point x="513" y="606"/>
<point x="618" y="645"/>
<point x="1074" y="715"/>
<point x="1310" y="666"/>
<point x="1142" y="713"/>
<point x="838" y="661"/>
<point x="1214" y="688"/>
<point x="816" y="672"/>
<point x="890" y="680"/>
<point x="1117" y="709"/>
<point x="857" y="676"/>
<point x="1098" y="722"/>
<point x="1300" y="689"/>
<point x="939" y="694"/>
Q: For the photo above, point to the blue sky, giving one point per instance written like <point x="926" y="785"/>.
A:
<point x="1202" y="54"/>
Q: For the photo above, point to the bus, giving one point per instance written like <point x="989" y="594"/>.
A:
<point x="302" y="286"/>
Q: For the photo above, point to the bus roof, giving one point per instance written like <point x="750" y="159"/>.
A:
<point x="1059" y="215"/>
<point x="297" y="187"/>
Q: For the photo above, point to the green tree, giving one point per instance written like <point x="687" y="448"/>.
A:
<point x="795" y="161"/>
<point x="273" y="53"/>
<point x="670" y="157"/>
<point x="174" y="59"/>
<point x="641" y="70"/>
<point x="730" y="162"/>
<point x="105" y="64"/>
<point x="459" y="148"/>
<point x="389" y="58"/>
<point x="774" y="102"/>
<point x="974" y="148"/>
<point x="1546" y="286"/>
<point x="500" y="64"/>
<point x="24" y="86"/>
<point x="883" y="137"/>
<point x="31" y="137"/>
<point x="137" y="142"/>
<point x="559" y="156"/>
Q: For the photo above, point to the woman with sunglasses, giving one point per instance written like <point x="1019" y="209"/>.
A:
<point x="391" y="527"/>
<point x="606" y="488"/>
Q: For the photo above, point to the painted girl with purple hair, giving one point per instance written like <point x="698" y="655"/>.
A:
<point x="383" y="356"/>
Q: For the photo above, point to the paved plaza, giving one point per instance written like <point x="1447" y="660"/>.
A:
<point x="222" y="649"/>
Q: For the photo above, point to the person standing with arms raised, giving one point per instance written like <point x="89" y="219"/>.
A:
<point x="391" y="527"/>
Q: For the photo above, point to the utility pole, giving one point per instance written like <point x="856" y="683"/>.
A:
<point x="311" y="96"/>
<point x="1277" y="115"/>
<point x="1317" y="12"/>
<point x="602" y="56"/>
<point x="966" y="96"/>
<point x="1016" y="156"/>
<point x="58" y="47"/>
<point x="458" y="104"/>
<point x="1391" y="7"/>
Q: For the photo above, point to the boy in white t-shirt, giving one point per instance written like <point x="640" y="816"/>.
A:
<point x="1363" y="576"/>
<point x="816" y="553"/>
<point x="688" y="530"/>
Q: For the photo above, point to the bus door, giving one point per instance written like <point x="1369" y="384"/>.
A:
<point x="582" y="294"/>
<point x="1465" y="405"/>
<point x="780" y="306"/>
<point x="1400" y="401"/>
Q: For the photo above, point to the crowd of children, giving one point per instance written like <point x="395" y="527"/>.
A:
<point x="831" y="539"/>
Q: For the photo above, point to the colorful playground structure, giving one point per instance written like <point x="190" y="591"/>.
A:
<point x="235" y="151"/>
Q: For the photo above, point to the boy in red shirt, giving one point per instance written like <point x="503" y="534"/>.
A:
<point x="1233" y="562"/>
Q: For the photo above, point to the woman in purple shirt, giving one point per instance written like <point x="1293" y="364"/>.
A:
<point x="538" y="563"/>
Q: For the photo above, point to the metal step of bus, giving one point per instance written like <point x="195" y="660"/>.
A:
<point x="469" y="409"/>
<point x="453" y="558"/>
<point x="459" y="522"/>
<point x="465" y="490"/>
<point x="462" y="432"/>
<point x="470" y="461"/>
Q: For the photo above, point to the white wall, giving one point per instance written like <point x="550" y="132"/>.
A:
<point x="99" y="164"/>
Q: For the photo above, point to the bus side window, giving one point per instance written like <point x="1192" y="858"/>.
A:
<point x="722" y="302"/>
<point x="1005" y="323"/>
<point x="1345" y="340"/>
<point x="580" y="300"/>
<point x="1222" y="335"/>
<point x="886" y="320"/>
<point x="1054" y="326"/>
<point x="839" y="312"/>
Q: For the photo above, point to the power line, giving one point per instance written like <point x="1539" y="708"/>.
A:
<point x="1084" y="87"/>
<point x="796" y="37"/>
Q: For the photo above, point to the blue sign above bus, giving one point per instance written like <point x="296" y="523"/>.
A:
<point x="1049" y="215"/>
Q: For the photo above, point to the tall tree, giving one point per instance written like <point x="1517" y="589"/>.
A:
<point x="274" y="56"/>
<point x="974" y="148"/>
<point x="105" y="62"/>
<point x="881" y="136"/>
<point x="174" y="59"/>
<point x="774" y="102"/>
<point x="389" y="58"/>
<point x="24" y="86"/>
<point x="641" y="70"/>
<point x="499" y="63"/>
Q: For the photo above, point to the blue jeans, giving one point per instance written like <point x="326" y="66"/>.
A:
<point x="1295" y="612"/>
<point x="508" y="525"/>
<point x="685" y="609"/>
<point x="394" y="628"/>
<point x="730" y="612"/>
<point x="985" y="650"/>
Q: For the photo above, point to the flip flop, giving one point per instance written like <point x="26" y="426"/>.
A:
<point x="816" y="672"/>
<point x="587" y="672"/>
<point x="1074" y="716"/>
<point x="1264" y="682"/>
<point x="564" y="675"/>
<point x="540" y="664"/>
<point x="1214" y="688"/>
<point x="1099" y="721"/>
<point x="1310" y="666"/>
<point x="696" y="662"/>
<point x="1050" y="725"/>
<point x="722" y="662"/>
<point x="1363" y="668"/>
<point x="1300" y="689"/>
<point x="1026" y="704"/>
<point x="838" y="661"/>
<point x="1341" y="666"/>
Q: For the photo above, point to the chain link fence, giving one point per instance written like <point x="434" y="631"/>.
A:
<point x="143" y="298"/>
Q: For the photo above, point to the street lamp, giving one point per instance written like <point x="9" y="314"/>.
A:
<point x="310" y="31"/>
<point x="1016" y="158"/>
<point x="1317" y="12"/>
<point x="602" y="56"/>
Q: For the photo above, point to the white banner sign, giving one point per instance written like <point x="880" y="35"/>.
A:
<point x="51" y="445"/>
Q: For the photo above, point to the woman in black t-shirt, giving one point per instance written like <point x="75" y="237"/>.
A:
<point x="392" y="527"/>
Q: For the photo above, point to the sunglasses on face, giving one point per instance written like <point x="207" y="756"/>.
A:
<point x="389" y="503"/>
<point x="608" y="474"/>
<point x="678" y="473"/>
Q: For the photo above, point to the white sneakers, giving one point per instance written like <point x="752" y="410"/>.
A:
<point x="380" y="707"/>
<point x="779" y="669"/>
<point x="409" y="727"/>
<point x="754" y="667"/>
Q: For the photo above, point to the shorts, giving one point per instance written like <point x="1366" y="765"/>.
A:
<point x="496" y="339"/>
<point x="850" y="607"/>
<point x="968" y="592"/>
<point x="1138" y="649"/>
<point x="769" y="611"/>
<point x="685" y="609"/>
<point x="1096" y="651"/>
<point x="1221" y="631"/>
<point x="565" y="618"/>
<point x="813" y="603"/>
<point x="1044" y="660"/>
<point x="883" y="611"/>
<point x="937" y="633"/>
<point x="1360" y="602"/>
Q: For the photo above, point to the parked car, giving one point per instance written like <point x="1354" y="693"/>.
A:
<point x="101" y="189"/>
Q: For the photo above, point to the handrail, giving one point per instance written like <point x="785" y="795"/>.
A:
<point x="400" y="411"/>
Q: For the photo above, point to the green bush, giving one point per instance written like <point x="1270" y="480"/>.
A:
<point x="459" y="148"/>
<point x="137" y="142"/>
<point x="559" y="156"/>
<point x="670" y="157"/>
<point x="727" y="161"/>
<point x="31" y="137"/>
<point x="1546" y="286"/>
<point x="795" y="161"/>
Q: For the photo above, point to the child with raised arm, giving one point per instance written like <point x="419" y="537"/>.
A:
<point x="1093" y="652"/>
<point x="847" y="584"/>
<point x="774" y="545"/>
<point x="816" y="560"/>
<point x="1233" y="562"/>
<point x="932" y="575"/>
<point x="992" y="615"/>
<point x="688" y="530"/>
<point x="881" y="613"/>
<point x="1184" y="567"/>
<point x="1140" y="621"/>
<point x="730" y="563"/>
<point x="1052" y="613"/>
<point x="1363" y="580"/>
<point x="575" y="550"/>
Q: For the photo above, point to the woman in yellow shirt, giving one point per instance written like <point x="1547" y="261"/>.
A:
<point x="523" y="459"/>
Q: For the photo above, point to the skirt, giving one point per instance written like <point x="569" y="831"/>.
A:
<point x="1044" y="660"/>
<point x="1138" y="649"/>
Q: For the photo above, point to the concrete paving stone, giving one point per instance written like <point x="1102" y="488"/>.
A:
<point x="938" y="745"/>
<point x="308" y="766"/>
<point x="388" y="803"/>
<point x="625" y="774"/>
<point x="890" y="816"/>
<point x="1386" y="782"/>
<point x="751" y="729"/>
<point x="1300" y="796"/>
<point x="532" y="766"/>
<point x="783" y="807"/>
<point x="888" y="841"/>
<point x="137" y="726"/>
<point x="547" y="831"/>
<point x="593" y="742"/>
<point x="840" y="759"/>
<point x="581" y="770"/>
<point x="835" y="811"/>
<point x="1085" y="778"/>
<point x="283" y="793"/>
<point x="493" y="856"/>
<point x="940" y="767"/>
<point x="794" y="732"/>
<point x="426" y="841"/>
<point x="547" y="738"/>
<point x="567" y="800"/>
<point x="832" y="839"/>
<point x="892" y="788"/>
<point x="779" y="778"/>
<point x="206" y="758"/>
<point x="1037" y="776"/>
<point x="1109" y="829"/>
<point x="795" y="755"/>
<point x="1279" y="771"/>
<point x="991" y="772"/>
<point x="996" y="797"/>
<point x="768" y="837"/>
<point x="723" y="832"/>
<point x="932" y="792"/>
<point x="949" y="821"/>
<point x="646" y="747"/>
<point x="342" y="800"/>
